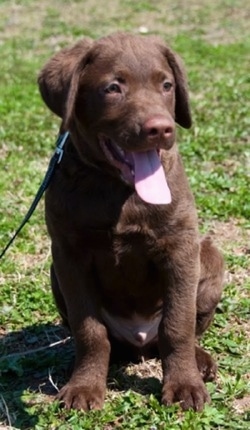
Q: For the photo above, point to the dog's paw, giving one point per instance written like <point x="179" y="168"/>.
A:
<point x="188" y="392"/>
<point x="81" y="397"/>
<point x="206" y="364"/>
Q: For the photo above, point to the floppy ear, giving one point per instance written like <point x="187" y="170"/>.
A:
<point x="55" y="79"/>
<point x="182" y="106"/>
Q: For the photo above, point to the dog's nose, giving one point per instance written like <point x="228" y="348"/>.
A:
<point x="158" y="128"/>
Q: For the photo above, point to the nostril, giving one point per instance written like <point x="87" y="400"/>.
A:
<point x="168" y="131"/>
<point x="153" y="131"/>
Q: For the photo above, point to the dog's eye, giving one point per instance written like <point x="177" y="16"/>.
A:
<point x="167" y="86"/>
<point x="113" y="88"/>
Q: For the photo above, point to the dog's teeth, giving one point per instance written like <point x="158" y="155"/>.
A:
<point x="106" y="151"/>
<point x="120" y="150"/>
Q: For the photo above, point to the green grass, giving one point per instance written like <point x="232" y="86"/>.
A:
<point x="212" y="39"/>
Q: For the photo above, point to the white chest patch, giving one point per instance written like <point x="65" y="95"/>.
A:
<point x="136" y="330"/>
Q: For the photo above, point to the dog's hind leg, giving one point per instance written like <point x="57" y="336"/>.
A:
<point x="210" y="284"/>
<point x="208" y="295"/>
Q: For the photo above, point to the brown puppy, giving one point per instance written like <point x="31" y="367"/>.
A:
<point x="129" y="268"/>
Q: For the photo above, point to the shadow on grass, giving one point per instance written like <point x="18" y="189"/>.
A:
<point x="31" y="361"/>
<point x="36" y="361"/>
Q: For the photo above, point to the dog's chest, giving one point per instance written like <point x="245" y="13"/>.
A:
<point x="130" y="278"/>
<point x="136" y="330"/>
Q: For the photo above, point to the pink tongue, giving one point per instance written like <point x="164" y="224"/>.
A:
<point x="150" y="180"/>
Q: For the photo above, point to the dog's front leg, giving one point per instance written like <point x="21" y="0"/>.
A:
<point x="181" y="378"/>
<point x="87" y="385"/>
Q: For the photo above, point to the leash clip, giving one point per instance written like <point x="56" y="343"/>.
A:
<point x="59" y="152"/>
<point x="59" y="148"/>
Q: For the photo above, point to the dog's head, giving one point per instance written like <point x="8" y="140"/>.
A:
<point x="121" y="95"/>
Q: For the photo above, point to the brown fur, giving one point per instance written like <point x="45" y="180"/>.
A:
<point x="110" y="249"/>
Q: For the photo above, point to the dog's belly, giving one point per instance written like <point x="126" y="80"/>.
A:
<point x="137" y="330"/>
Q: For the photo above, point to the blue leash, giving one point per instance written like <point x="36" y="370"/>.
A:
<point x="56" y="159"/>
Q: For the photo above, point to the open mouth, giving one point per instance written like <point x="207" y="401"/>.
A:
<point x="143" y="170"/>
<point x="119" y="158"/>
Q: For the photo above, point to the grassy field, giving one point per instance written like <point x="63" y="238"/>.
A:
<point x="35" y="351"/>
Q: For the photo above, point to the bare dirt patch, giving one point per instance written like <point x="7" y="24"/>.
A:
<point x="231" y="236"/>
<point x="242" y="405"/>
<point x="233" y="239"/>
<point x="144" y="378"/>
